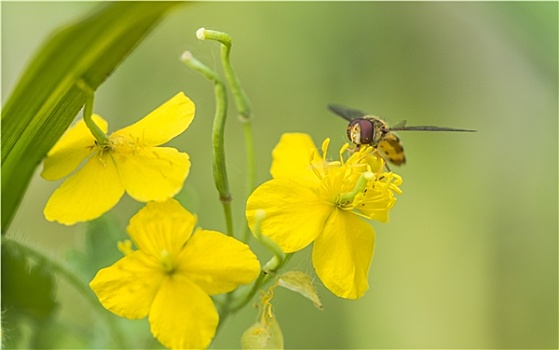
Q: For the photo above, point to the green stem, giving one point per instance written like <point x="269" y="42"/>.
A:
<point x="268" y="271"/>
<point x="279" y="256"/>
<point x="235" y="303"/>
<point x="243" y="106"/>
<point x="99" y="135"/>
<point x="80" y="285"/>
<point x="241" y="99"/>
<point x="219" y="166"/>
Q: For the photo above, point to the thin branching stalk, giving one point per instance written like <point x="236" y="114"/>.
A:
<point x="243" y="106"/>
<point x="236" y="301"/>
<point x="99" y="135"/>
<point x="219" y="165"/>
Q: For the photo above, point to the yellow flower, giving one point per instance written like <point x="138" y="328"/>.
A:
<point x="172" y="275"/>
<point x="311" y="199"/>
<point x="130" y="162"/>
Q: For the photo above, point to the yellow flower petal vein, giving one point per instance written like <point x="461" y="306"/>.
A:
<point x="294" y="213"/>
<point x="129" y="287"/>
<point x="86" y="195"/>
<point x="183" y="316"/>
<point x="153" y="174"/>
<point x="342" y="254"/>
<point x="72" y="148"/>
<point x="163" y="124"/>
<point x="218" y="263"/>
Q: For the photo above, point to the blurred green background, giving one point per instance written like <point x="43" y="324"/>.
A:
<point x="469" y="257"/>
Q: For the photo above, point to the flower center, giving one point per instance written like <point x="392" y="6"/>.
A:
<point x="166" y="261"/>
<point x="118" y="143"/>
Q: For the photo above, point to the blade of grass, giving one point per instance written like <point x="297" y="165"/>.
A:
<point x="47" y="98"/>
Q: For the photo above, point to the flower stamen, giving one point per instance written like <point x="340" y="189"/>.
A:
<point x="125" y="247"/>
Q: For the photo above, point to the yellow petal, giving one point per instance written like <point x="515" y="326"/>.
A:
<point x="70" y="150"/>
<point x="161" y="226"/>
<point x="128" y="287"/>
<point x="86" y="195"/>
<point x="163" y="124"/>
<point x="293" y="155"/>
<point x="153" y="173"/>
<point x="342" y="254"/>
<point x="218" y="263"/>
<point x="294" y="214"/>
<point x="183" y="316"/>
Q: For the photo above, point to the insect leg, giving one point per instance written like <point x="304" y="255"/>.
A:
<point x="379" y="155"/>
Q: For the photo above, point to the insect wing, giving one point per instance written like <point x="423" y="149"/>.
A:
<point x="399" y="125"/>
<point x="391" y="149"/>
<point x="347" y="113"/>
<point x="426" y="128"/>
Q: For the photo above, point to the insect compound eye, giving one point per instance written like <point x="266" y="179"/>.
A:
<point x="360" y="131"/>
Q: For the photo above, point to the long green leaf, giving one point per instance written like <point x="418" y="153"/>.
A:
<point x="47" y="97"/>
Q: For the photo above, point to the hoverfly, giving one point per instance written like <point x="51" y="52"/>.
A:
<point x="365" y="129"/>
